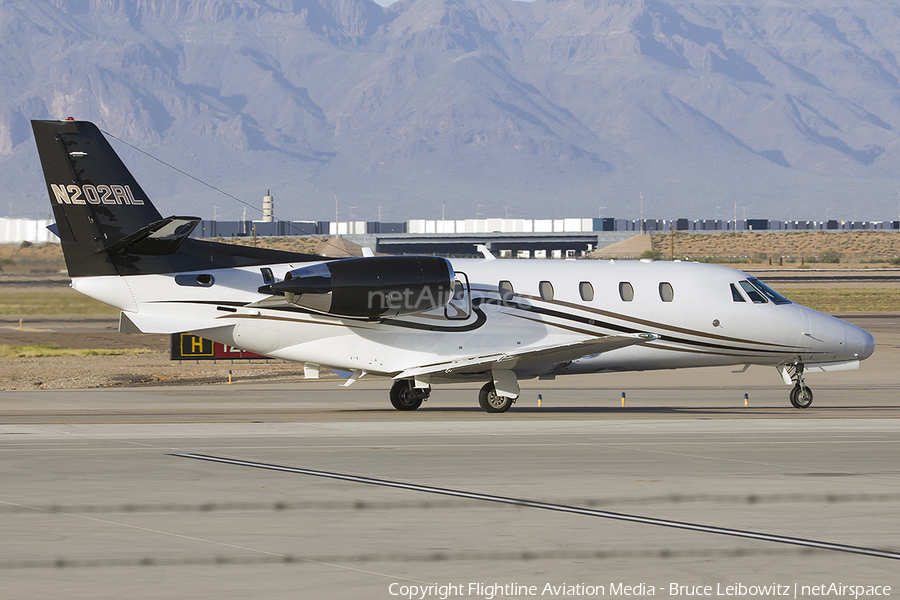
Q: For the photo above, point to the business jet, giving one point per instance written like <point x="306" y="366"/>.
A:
<point x="419" y="320"/>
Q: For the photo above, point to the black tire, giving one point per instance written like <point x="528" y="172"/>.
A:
<point x="491" y="402"/>
<point x="401" y="396"/>
<point x="801" y="396"/>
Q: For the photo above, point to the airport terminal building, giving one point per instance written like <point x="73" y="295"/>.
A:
<point x="507" y="238"/>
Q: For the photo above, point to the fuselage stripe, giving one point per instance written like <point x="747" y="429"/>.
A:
<point x="481" y="319"/>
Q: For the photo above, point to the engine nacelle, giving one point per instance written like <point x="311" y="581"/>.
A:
<point x="375" y="286"/>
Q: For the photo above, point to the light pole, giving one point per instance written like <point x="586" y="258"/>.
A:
<point x="642" y="213"/>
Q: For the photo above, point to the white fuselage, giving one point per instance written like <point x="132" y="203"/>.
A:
<point x="698" y="317"/>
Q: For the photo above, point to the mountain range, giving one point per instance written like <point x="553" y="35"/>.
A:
<point x="786" y="109"/>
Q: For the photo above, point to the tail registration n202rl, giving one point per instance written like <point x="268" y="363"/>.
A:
<point x="420" y="320"/>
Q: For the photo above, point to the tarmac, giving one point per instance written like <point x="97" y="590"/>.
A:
<point x="311" y="490"/>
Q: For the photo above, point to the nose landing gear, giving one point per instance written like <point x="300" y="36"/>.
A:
<point x="801" y="394"/>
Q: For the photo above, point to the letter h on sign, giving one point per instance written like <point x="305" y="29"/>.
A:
<point x="193" y="345"/>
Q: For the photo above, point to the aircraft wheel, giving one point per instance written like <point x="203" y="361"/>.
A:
<point x="403" y="398"/>
<point x="492" y="402"/>
<point x="801" y="396"/>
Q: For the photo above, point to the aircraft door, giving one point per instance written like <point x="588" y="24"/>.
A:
<point x="460" y="306"/>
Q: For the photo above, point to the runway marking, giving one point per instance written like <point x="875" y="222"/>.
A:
<point x="590" y="512"/>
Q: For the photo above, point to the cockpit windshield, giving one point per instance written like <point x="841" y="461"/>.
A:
<point x="769" y="292"/>
<point x="755" y="296"/>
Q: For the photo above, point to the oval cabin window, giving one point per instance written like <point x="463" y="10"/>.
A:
<point x="626" y="292"/>
<point x="546" y="289"/>
<point x="666" y="293"/>
<point x="586" y="290"/>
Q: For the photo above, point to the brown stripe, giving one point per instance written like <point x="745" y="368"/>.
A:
<point x="643" y="322"/>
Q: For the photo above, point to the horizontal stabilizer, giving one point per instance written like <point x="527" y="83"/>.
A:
<point x="162" y="237"/>
<point x="131" y="322"/>
<point x="521" y="358"/>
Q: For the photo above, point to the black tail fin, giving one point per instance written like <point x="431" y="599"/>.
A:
<point x="105" y="221"/>
<point x="96" y="200"/>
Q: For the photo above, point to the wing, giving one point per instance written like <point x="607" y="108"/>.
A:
<point x="530" y="357"/>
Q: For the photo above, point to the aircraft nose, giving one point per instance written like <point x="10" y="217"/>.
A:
<point x="836" y="340"/>
<point x="859" y="341"/>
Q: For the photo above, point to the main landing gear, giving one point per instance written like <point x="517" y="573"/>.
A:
<point x="801" y="395"/>
<point x="405" y="397"/>
<point x="493" y="402"/>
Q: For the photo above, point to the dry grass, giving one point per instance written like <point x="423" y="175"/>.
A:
<point x="835" y="300"/>
<point x="50" y="350"/>
<point x="56" y="303"/>
<point x="302" y="245"/>
<point x="810" y="246"/>
<point x="31" y="258"/>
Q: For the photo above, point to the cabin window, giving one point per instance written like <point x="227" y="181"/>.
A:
<point x="666" y="293"/>
<point x="546" y="289"/>
<point x="753" y="293"/>
<point x="626" y="292"/>
<point x="268" y="277"/>
<point x="506" y="290"/>
<point x="204" y="280"/>
<point x="586" y="290"/>
<point x="736" y="295"/>
<point x="769" y="292"/>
